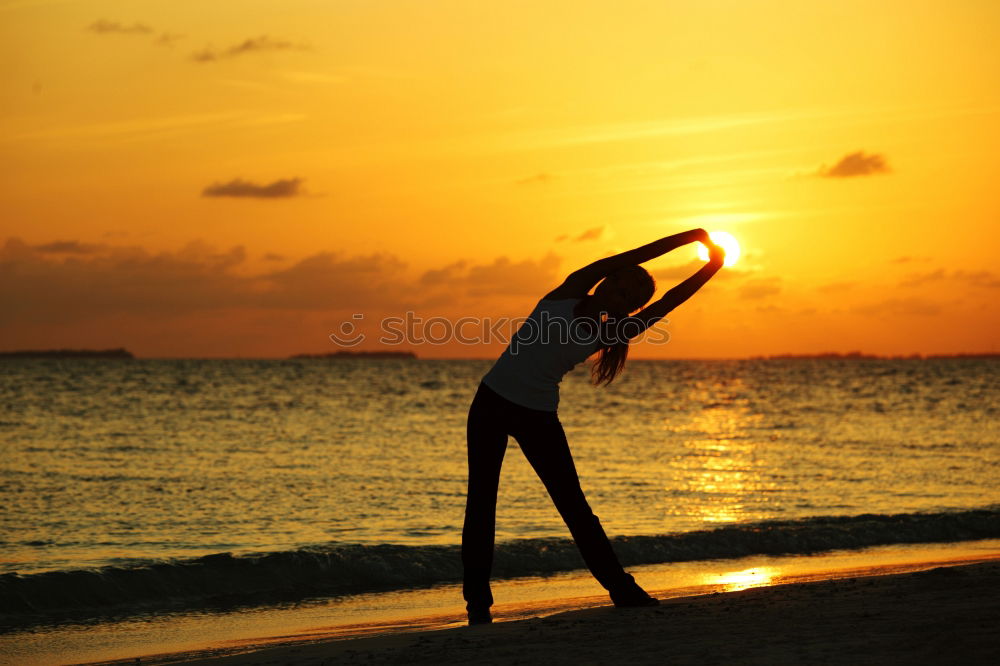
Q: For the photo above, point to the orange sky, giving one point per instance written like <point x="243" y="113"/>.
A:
<point x="457" y="159"/>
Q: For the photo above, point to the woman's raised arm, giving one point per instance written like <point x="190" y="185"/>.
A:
<point x="578" y="283"/>
<point x="652" y="313"/>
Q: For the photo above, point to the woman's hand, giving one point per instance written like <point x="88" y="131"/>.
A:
<point x="578" y="283"/>
<point x="700" y="236"/>
<point x="716" y="255"/>
<point x="674" y="297"/>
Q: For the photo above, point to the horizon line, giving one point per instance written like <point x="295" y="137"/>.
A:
<point x="412" y="355"/>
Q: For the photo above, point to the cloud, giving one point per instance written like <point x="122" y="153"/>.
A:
<point x="327" y="280"/>
<point x="501" y="277"/>
<point x="68" y="247"/>
<point x="836" y="287"/>
<point x="984" y="279"/>
<point x="900" y="306"/>
<point x="168" y="38"/>
<point x="155" y="126"/>
<point x="855" y="164"/>
<point x="760" y="288"/>
<point x="917" y="279"/>
<point x="44" y="288"/>
<point x="238" y="187"/>
<point x="505" y="277"/>
<point x="590" y="234"/>
<point x="272" y="256"/>
<point x="39" y="287"/>
<point x="537" y="179"/>
<point x="251" y="45"/>
<point x="36" y="287"/>
<point x="105" y="27"/>
<point x="445" y="275"/>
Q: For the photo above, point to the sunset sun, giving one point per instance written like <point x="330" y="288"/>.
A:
<point x="727" y="242"/>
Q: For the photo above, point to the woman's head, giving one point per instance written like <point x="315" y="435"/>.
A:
<point x="619" y="294"/>
<point x="625" y="290"/>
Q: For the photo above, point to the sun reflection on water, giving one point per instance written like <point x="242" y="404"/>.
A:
<point x="720" y="463"/>
<point x="733" y="581"/>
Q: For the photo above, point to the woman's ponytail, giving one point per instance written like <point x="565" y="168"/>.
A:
<point x="613" y="352"/>
<point x="609" y="363"/>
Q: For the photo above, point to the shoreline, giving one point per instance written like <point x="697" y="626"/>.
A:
<point x="144" y="587"/>
<point x="871" y="614"/>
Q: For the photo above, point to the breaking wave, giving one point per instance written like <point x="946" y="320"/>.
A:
<point x="224" y="580"/>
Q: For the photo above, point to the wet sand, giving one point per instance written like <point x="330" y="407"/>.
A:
<point x="941" y="615"/>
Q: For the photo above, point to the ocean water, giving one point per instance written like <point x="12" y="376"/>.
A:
<point x="155" y="476"/>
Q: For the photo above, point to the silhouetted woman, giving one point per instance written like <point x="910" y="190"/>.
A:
<point x="519" y="395"/>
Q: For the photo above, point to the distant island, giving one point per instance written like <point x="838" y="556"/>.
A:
<point x="68" y="353"/>
<point x="856" y="355"/>
<point x="344" y="353"/>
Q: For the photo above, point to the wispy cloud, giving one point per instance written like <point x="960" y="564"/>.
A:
<point x="900" y="306"/>
<point x="132" y="280"/>
<point x="168" y="38"/>
<point x="141" y="128"/>
<point x="251" y="45"/>
<point x="918" y="279"/>
<point x="105" y="27"/>
<point x="279" y="189"/>
<point x="503" y="276"/>
<point x="635" y="131"/>
<point x="856" y="164"/>
<point x="761" y="288"/>
<point x="984" y="279"/>
<point x="445" y="274"/>
<point x="68" y="247"/>
<point x="40" y="286"/>
<point x="837" y="287"/>
<point x="590" y="234"/>
<point x="537" y="179"/>
<point x="500" y="277"/>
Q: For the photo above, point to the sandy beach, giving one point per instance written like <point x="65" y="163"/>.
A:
<point x="941" y="615"/>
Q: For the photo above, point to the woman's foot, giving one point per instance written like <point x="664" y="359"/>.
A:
<point x="631" y="596"/>
<point x="480" y="616"/>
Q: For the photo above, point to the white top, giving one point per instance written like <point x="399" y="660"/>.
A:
<point x="546" y="346"/>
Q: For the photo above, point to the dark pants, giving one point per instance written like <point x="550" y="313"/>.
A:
<point x="542" y="439"/>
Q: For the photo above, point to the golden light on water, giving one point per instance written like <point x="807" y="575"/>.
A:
<point x="734" y="581"/>
<point x="720" y="463"/>
<point x="727" y="242"/>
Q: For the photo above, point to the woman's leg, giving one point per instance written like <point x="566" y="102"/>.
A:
<point x="543" y="440"/>
<point x="487" y="441"/>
